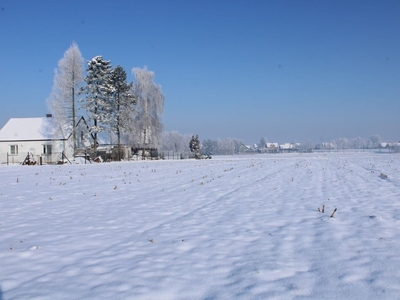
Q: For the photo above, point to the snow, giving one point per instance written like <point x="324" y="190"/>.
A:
<point x="26" y="129"/>
<point x="228" y="228"/>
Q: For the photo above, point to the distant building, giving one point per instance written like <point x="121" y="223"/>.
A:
<point x="393" y="147"/>
<point x="289" y="147"/>
<point x="244" y="148"/>
<point x="286" y="147"/>
<point x="272" y="147"/>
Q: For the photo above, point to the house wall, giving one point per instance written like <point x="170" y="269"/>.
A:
<point x="63" y="146"/>
<point x="35" y="148"/>
<point x="83" y="136"/>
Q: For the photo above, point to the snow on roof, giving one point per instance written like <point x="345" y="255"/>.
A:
<point x="286" y="146"/>
<point x="394" y="144"/>
<point x="271" y="145"/>
<point x="27" y="129"/>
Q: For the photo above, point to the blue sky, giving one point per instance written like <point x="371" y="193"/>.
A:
<point x="284" y="70"/>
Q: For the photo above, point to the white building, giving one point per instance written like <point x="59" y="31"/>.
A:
<point x="289" y="147"/>
<point x="272" y="147"/>
<point x="39" y="139"/>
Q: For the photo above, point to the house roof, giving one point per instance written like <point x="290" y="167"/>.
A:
<point x="271" y="145"/>
<point x="286" y="146"/>
<point x="35" y="129"/>
<point x="22" y="129"/>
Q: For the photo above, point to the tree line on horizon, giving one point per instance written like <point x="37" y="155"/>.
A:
<point x="179" y="143"/>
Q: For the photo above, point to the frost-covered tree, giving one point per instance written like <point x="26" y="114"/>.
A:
<point x="224" y="147"/>
<point x="208" y="147"/>
<point x="194" y="146"/>
<point x="357" y="143"/>
<point x="307" y="146"/>
<point x="174" y="141"/>
<point x="149" y="109"/>
<point x="98" y="91"/>
<point x="120" y="104"/>
<point x="374" y="141"/>
<point x="263" y="143"/>
<point x="227" y="146"/>
<point x="68" y="78"/>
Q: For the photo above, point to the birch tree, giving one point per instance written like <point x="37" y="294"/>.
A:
<point x="149" y="109"/>
<point x="68" y="78"/>
<point x="174" y="141"/>
<point x="98" y="90"/>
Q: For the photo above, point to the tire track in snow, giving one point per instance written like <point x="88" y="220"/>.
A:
<point x="210" y="203"/>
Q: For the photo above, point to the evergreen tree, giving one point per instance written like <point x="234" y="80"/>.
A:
<point x="194" y="146"/>
<point x="98" y="92"/>
<point x="121" y="103"/>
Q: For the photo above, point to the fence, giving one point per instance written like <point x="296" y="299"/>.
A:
<point x="88" y="157"/>
<point x="36" y="159"/>
<point x="175" y="155"/>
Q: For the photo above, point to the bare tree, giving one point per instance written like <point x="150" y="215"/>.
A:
<point x="263" y="143"/>
<point x="357" y="143"/>
<point x="149" y="109"/>
<point x="174" y="141"/>
<point x="375" y="141"/>
<point x="68" y="78"/>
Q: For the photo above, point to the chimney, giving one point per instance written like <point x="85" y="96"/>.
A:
<point x="49" y="115"/>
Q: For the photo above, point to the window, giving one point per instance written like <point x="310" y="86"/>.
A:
<point x="47" y="149"/>
<point x="14" y="149"/>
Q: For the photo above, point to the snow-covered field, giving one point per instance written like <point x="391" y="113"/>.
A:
<point x="227" y="228"/>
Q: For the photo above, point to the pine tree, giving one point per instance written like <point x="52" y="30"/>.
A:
<point x="68" y="78"/>
<point x="194" y="146"/>
<point x="98" y="92"/>
<point x="121" y="104"/>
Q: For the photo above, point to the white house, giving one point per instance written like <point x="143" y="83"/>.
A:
<point x="289" y="147"/>
<point x="272" y="147"/>
<point x="40" y="139"/>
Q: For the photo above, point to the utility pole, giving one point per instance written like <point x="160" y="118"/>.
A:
<point x="73" y="113"/>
